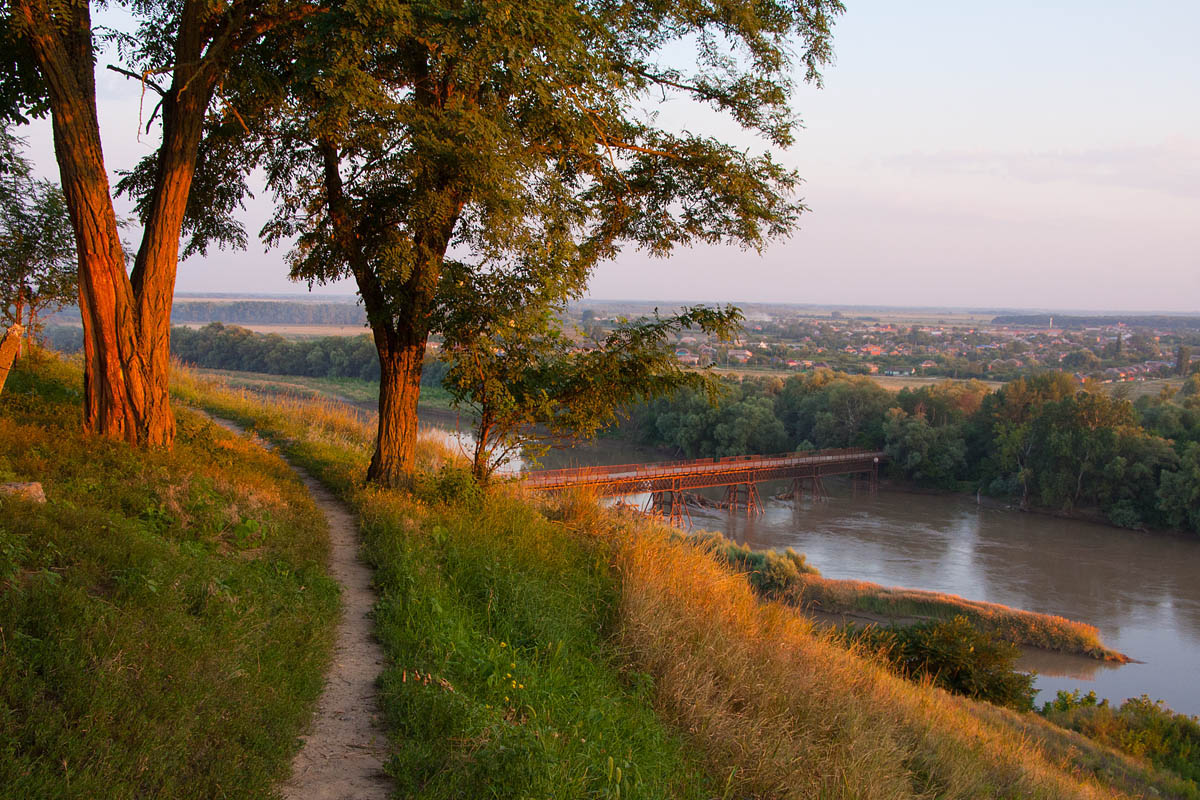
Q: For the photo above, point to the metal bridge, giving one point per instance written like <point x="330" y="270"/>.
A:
<point x="667" y="481"/>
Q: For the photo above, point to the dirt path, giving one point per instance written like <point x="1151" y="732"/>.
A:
<point x="344" y="752"/>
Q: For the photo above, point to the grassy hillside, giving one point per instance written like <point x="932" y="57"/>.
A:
<point x="165" y="618"/>
<point x="546" y="647"/>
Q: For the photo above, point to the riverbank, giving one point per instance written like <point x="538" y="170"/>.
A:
<point x="552" y="647"/>
<point x="788" y="577"/>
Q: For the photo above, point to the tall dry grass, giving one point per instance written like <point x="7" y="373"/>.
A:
<point x="1011" y="624"/>
<point x="789" y="713"/>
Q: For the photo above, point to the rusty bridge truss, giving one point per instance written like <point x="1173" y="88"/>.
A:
<point x="666" y="482"/>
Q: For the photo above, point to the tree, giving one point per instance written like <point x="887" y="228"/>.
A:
<point x="528" y="383"/>
<point x="1081" y="360"/>
<point x="513" y="138"/>
<point x="1179" y="491"/>
<point x="922" y="453"/>
<point x="53" y="50"/>
<point x="37" y="249"/>
<point x="1183" y="359"/>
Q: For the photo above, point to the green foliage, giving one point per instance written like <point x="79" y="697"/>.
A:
<point x="742" y="421"/>
<point x="1140" y="727"/>
<point x="833" y="410"/>
<point x="37" y="243"/>
<point x="954" y="655"/>
<point x="449" y="484"/>
<point x="926" y="455"/>
<point x="770" y="573"/>
<point x="166" y="617"/>
<point x="508" y="143"/>
<point x="1044" y="439"/>
<point x="527" y="382"/>
<point x="1179" y="491"/>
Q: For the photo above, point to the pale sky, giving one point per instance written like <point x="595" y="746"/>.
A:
<point x="1019" y="154"/>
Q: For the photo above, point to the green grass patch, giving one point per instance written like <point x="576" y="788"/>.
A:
<point x="503" y="676"/>
<point x="354" y="390"/>
<point x="165" y="618"/>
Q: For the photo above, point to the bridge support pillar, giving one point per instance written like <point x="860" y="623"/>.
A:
<point x="670" y="503"/>
<point x="753" y="500"/>
<point x="818" y="488"/>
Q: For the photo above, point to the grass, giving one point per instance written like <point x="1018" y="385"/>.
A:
<point x="353" y="390"/>
<point x="165" y="618"/>
<point x="1014" y="625"/>
<point x="503" y="676"/>
<point x="1140" y="727"/>
<point x="643" y="665"/>
<point x="789" y="578"/>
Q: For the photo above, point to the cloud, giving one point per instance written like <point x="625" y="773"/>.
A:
<point x="1171" y="167"/>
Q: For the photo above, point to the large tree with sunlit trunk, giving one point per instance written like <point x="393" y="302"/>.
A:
<point x="524" y="137"/>
<point x="181" y="51"/>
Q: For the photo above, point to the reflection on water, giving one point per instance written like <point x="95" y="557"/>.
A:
<point x="1140" y="590"/>
<point x="1061" y="665"/>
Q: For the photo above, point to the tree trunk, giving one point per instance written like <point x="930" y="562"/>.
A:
<point x="481" y="462"/>
<point x="399" y="323"/>
<point x="8" y="351"/>
<point x="19" y="316"/>
<point x="400" y="361"/>
<point x="126" y="319"/>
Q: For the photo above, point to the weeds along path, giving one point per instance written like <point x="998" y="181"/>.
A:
<point x="344" y="752"/>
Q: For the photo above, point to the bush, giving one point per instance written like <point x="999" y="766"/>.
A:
<point x="956" y="656"/>
<point x="1140" y="727"/>
<point x="770" y="573"/>
<point x="449" y="484"/>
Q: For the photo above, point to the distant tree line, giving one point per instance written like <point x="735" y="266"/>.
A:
<point x="1067" y="321"/>
<point x="259" y="312"/>
<point x="1043" y="441"/>
<point x="265" y="312"/>
<point x="218" y="346"/>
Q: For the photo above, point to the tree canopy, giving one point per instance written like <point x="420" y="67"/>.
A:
<point x="529" y="382"/>
<point x="519" y="139"/>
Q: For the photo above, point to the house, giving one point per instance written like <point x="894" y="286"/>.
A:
<point x="740" y="356"/>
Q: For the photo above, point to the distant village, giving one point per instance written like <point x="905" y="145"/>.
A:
<point x="871" y="346"/>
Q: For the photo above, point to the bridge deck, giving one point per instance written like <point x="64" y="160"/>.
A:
<point x="705" y="472"/>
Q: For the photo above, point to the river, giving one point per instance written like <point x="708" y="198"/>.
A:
<point x="1142" y="590"/>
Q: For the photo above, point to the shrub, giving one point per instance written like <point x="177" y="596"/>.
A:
<point x="1140" y="727"/>
<point x="449" y="483"/>
<point x="956" y="656"/>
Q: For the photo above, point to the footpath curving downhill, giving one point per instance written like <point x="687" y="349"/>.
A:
<point x="344" y="752"/>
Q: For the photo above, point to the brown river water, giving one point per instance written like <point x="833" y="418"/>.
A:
<point x="1142" y="590"/>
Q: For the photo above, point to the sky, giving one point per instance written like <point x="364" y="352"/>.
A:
<point x="970" y="155"/>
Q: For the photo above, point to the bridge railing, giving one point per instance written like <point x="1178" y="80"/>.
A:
<point x="633" y="472"/>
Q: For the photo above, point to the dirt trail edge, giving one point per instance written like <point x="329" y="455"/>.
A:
<point x="344" y="751"/>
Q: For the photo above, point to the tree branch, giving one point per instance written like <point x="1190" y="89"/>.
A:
<point x="144" y="78"/>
